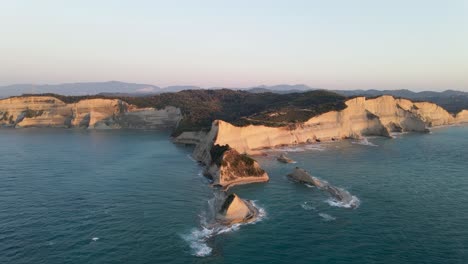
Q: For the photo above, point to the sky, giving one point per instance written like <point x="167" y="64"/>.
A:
<point x="417" y="45"/>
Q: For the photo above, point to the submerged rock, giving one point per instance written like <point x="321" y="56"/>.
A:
<point x="236" y="210"/>
<point x="283" y="158"/>
<point x="339" y="194"/>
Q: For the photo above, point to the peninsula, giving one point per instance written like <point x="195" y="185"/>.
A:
<point x="228" y="127"/>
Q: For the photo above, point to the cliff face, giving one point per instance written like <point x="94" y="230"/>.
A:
<point x="228" y="168"/>
<point x="462" y="117"/>
<point x="361" y="117"/>
<point x="190" y="137"/>
<point x="42" y="111"/>
<point x="236" y="210"/>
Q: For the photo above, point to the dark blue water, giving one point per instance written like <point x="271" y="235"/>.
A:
<point x="73" y="196"/>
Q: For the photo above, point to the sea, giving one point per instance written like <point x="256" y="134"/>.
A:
<point x="130" y="196"/>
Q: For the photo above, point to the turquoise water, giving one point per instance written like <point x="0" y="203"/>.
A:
<point x="73" y="196"/>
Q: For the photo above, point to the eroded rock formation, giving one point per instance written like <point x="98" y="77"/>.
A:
<point x="228" y="168"/>
<point x="361" y="117"/>
<point x="462" y="117"/>
<point x="340" y="195"/>
<point x="236" y="210"/>
<point x="48" y="111"/>
<point x="284" y="159"/>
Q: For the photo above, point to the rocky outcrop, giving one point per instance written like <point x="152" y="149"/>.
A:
<point x="236" y="210"/>
<point x="462" y="117"/>
<point x="228" y="168"/>
<point x="48" y="111"/>
<point x="150" y="118"/>
<point x="301" y="176"/>
<point x="284" y="159"/>
<point x="190" y="137"/>
<point x="362" y="117"/>
<point x="340" y="195"/>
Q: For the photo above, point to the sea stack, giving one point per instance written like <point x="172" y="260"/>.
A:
<point x="236" y="210"/>
<point x="283" y="158"/>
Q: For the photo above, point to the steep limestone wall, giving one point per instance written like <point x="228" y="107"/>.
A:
<point x="47" y="111"/>
<point x="190" y="137"/>
<point x="362" y="117"/>
<point x="233" y="168"/>
<point x="462" y="117"/>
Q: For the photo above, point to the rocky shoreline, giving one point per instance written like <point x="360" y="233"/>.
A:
<point x="225" y="150"/>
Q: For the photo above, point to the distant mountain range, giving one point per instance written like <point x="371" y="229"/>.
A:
<point x="449" y="99"/>
<point x="130" y="89"/>
<point x="87" y="88"/>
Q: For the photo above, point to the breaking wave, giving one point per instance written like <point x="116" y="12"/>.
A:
<point x="353" y="203"/>
<point x="199" y="239"/>
<point x="307" y="206"/>
<point x="397" y="134"/>
<point x="327" y="217"/>
<point x="300" y="148"/>
<point x="365" y="142"/>
<point x="191" y="158"/>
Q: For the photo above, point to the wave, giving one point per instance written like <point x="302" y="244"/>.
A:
<point x="353" y="203"/>
<point x="197" y="241"/>
<point x="327" y="217"/>
<point x="199" y="238"/>
<point x="191" y="158"/>
<point x="300" y="148"/>
<point x="365" y="142"/>
<point x="307" y="206"/>
<point x="397" y="134"/>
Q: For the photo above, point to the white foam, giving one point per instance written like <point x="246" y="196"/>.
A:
<point x="198" y="237"/>
<point x="307" y="206"/>
<point x="353" y="203"/>
<point x="261" y="213"/>
<point x="327" y="217"/>
<point x="397" y="134"/>
<point x="197" y="241"/>
<point x="365" y="142"/>
<point x="191" y="158"/>
<point x="300" y="148"/>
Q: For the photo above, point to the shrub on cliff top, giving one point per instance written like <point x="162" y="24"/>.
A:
<point x="32" y="113"/>
<point x="201" y="107"/>
<point x="217" y="152"/>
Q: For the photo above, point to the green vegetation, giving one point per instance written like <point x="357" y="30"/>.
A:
<point x="217" y="152"/>
<point x="243" y="159"/>
<point x="3" y="116"/>
<point x="28" y="113"/>
<point x="242" y="163"/>
<point x="201" y="107"/>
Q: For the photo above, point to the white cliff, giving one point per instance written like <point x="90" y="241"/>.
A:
<point x="236" y="210"/>
<point x="361" y="117"/>
<point x="48" y="111"/>
<point x="462" y="117"/>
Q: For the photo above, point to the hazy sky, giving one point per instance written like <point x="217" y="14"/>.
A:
<point x="420" y="45"/>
